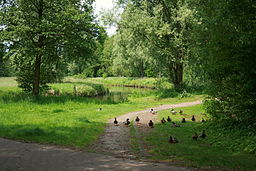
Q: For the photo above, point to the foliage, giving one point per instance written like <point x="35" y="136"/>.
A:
<point x="225" y="43"/>
<point x="5" y="67"/>
<point x="153" y="35"/>
<point x="45" y="35"/>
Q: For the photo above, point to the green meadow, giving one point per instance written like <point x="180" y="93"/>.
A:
<point x="66" y="120"/>
<point x="74" y="121"/>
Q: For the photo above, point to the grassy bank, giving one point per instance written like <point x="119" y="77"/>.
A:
<point x="79" y="89"/>
<point x="66" y="119"/>
<point x="209" y="153"/>
<point x="125" y="81"/>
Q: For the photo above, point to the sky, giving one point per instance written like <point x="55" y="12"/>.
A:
<point x="104" y="5"/>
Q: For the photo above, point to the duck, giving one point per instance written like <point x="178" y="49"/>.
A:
<point x="115" y="122"/>
<point x="163" y="121"/>
<point x="151" y="124"/>
<point x="173" y="111"/>
<point x="137" y="119"/>
<point x="203" y="135"/>
<point x="175" y="125"/>
<point x="181" y="112"/>
<point x="153" y="112"/>
<point x="193" y="118"/>
<point x="195" y="136"/>
<point x="169" y="119"/>
<point x="173" y="140"/>
<point x="127" y="121"/>
<point x="183" y="120"/>
<point x="203" y="120"/>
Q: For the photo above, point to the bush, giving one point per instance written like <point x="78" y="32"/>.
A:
<point x="80" y="89"/>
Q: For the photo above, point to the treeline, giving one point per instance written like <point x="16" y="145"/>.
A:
<point x="191" y="42"/>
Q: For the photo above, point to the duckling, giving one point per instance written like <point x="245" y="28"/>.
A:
<point x="169" y="119"/>
<point x="127" y="121"/>
<point x="151" y="124"/>
<point x="175" y="125"/>
<point x="173" y="111"/>
<point x="203" y="120"/>
<point x="193" y="118"/>
<point x="195" y="136"/>
<point x="137" y="119"/>
<point x="163" y="121"/>
<point x="173" y="140"/>
<point x="181" y="112"/>
<point x="183" y="120"/>
<point x="115" y="122"/>
<point x="203" y="135"/>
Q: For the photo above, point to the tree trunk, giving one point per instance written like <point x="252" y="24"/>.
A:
<point x="37" y="69"/>
<point x="39" y="45"/>
<point x="178" y="75"/>
<point x="177" y="70"/>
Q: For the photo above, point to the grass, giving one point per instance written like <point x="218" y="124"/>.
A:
<point x="74" y="121"/>
<point x="204" y="153"/>
<point x="64" y="120"/>
<point x="81" y="89"/>
<point x="134" y="139"/>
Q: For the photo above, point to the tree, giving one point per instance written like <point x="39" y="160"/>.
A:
<point x="4" y="71"/>
<point x="47" y="34"/>
<point x="159" y="31"/>
<point x="225" y="44"/>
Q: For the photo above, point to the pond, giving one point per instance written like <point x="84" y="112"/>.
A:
<point x="120" y="94"/>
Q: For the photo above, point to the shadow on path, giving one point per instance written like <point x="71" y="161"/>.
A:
<point x="34" y="157"/>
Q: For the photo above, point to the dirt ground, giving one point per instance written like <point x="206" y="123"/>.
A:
<point x="114" y="146"/>
<point x="116" y="139"/>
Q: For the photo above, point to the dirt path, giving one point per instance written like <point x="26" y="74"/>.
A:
<point x="116" y="139"/>
<point x="15" y="156"/>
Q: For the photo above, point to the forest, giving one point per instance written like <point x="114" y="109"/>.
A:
<point x="194" y="45"/>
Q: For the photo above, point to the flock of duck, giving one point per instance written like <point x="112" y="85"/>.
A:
<point x="163" y="121"/>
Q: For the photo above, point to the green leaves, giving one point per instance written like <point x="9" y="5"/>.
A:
<point x="225" y="37"/>
<point x="53" y="32"/>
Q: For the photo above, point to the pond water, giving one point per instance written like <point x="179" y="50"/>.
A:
<point x="120" y="94"/>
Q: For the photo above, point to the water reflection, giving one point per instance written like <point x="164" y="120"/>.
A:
<point x="120" y="94"/>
